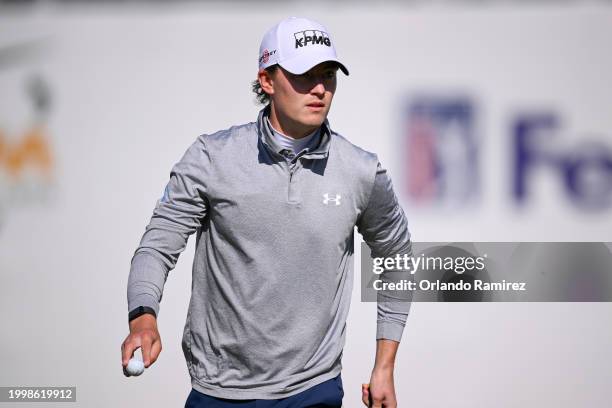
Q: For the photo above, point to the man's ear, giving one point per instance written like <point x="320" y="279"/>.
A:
<point x="266" y="81"/>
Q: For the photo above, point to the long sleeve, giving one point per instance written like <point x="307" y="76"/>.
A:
<point x="384" y="228"/>
<point x="177" y="215"/>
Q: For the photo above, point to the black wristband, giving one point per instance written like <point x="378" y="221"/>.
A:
<point x="139" y="311"/>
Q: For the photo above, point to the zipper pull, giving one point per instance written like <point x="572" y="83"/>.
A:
<point x="288" y="154"/>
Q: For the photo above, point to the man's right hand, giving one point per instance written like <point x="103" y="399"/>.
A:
<point x="143" y="334"/>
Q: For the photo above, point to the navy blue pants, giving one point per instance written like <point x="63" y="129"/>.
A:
<point x="328" y="394"/>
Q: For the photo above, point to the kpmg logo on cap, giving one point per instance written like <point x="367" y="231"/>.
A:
<point x="311" y="37"/>
<point x="265" y="56"/>
<point x="442" y="167"/>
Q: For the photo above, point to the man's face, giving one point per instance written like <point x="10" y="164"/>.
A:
<point x="301" y="102"/>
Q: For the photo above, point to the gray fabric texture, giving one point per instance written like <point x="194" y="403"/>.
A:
<point x="272" y="273"/>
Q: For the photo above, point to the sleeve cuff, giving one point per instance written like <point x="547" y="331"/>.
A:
<point x="389" y="330"/>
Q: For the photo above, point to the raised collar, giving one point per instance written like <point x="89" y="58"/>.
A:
<point x="267" y="139"/>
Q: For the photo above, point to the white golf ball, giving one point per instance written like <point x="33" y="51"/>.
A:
<point x="135" y="367"/>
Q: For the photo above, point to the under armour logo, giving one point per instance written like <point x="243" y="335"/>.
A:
<point x="326" y="199"/>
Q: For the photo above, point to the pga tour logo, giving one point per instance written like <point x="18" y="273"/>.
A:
<point x="442" y="151"/>
<point x="311" y="37"/>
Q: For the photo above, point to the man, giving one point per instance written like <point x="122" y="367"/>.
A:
<point x="274" y="204"/>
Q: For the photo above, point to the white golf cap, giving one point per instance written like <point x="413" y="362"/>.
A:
<point x="297" y="45"/>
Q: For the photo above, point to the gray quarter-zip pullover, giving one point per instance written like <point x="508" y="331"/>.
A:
<point x="273" y="267"/>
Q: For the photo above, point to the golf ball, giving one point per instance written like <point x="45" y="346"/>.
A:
<point x="135" y="367"/>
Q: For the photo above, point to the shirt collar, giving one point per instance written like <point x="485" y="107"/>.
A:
<point x="267" y="138"/>
<point x="295" y="145"/>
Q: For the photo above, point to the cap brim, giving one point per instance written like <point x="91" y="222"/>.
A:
<point x="303" y="63"/>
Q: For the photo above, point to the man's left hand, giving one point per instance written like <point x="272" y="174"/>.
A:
<point x="380" y="392"/>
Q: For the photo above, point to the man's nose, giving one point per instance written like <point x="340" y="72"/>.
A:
<point x="318" y="88"/>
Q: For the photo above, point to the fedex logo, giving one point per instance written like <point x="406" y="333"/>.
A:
<point x="585" y="169"/>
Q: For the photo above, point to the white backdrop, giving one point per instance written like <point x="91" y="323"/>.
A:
<point x="131" y="87"/>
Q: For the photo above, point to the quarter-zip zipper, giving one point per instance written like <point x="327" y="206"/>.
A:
<point x="293" y="196"/>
